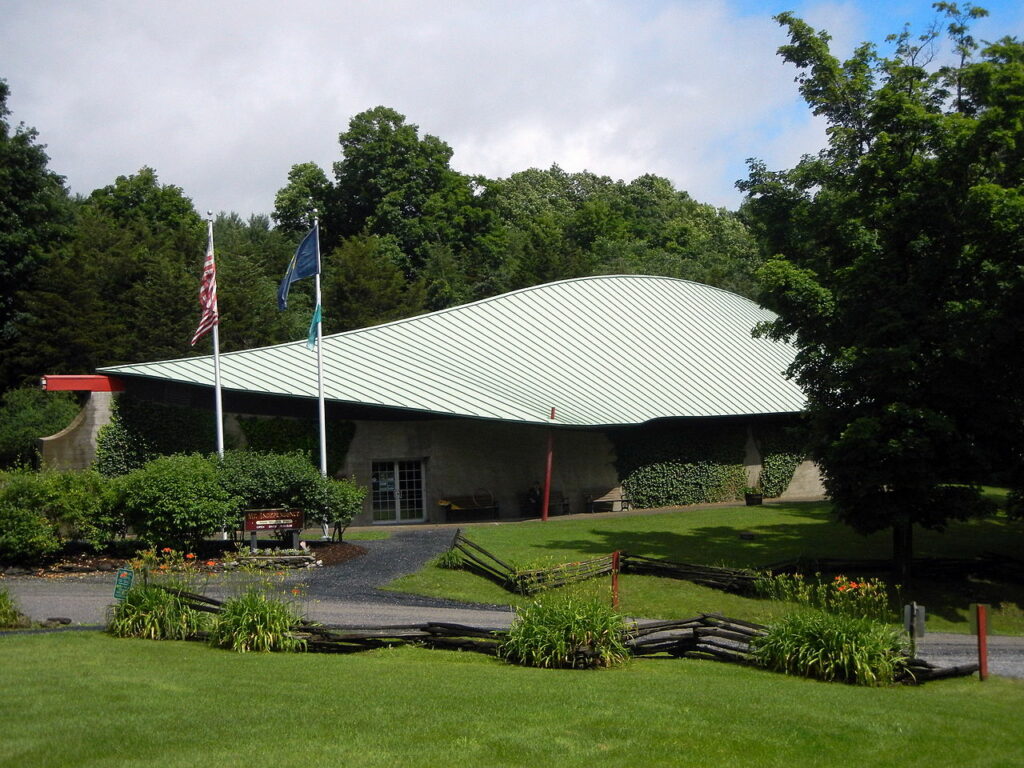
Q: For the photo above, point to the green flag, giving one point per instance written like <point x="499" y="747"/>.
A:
<point x="311" y="337"/>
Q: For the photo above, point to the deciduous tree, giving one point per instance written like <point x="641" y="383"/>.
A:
<point x="898" y="271"/>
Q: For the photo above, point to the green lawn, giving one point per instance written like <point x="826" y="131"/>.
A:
<point x="367" y="534"/>
<point x="712" y="536"/>
<point x="85" y="699"/>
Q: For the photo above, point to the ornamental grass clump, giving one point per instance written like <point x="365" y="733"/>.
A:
<point x="561" y="631"/>
<point x="254" y="622"/>
<point x="10" y="616"/>
<point x="154" y="613"/>
<point x="833" y="647"/>
<point x="450" y="559"/>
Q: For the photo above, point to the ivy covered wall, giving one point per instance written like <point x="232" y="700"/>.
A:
<point x="783" y="447"/>
<point x="280" y="434"/>
<point x="141" y="430"/>
<point x="679" y="462"/>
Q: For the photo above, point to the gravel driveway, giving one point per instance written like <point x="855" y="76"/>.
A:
<point x="347" y="593"/>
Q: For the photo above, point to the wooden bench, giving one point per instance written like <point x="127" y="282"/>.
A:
<point x="606" y="500"/>
<point x="465" y="509"/>
<point x="557" y="505"/>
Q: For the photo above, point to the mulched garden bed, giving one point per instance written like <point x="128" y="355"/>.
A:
<point x="335" y="552"/>
<point x="328" y="552"/>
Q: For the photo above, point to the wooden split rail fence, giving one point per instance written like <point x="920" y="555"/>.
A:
<point x="488" y="565"/>
<point x="705" y="636"/>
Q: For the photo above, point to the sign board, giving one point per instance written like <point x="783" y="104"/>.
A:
<point x="125" y="577"/>
<point x="273" y="520"/>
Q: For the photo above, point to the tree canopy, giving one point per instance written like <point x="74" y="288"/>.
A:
<point x="897" y="270"/>
<point x="33" y="209"/>
<point x="112" y="277"/>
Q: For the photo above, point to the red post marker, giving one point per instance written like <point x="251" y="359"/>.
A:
<point x="982" y="643"/>
<point x="547" y="473"/>
<point x="615" y="579"/>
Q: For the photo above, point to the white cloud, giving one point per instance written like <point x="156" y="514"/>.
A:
<point x="222" y="98"/>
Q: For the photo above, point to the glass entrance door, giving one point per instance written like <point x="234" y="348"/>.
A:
<point x="396" y="489"/>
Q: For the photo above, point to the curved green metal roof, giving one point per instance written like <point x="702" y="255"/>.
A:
<point x="609" y="350"/>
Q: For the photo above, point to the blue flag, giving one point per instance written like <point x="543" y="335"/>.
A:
<point x="303" y="264"/>
<point x="311" y="337"/>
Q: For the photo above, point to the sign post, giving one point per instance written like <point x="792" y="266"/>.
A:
<point x="546" y="500"/>
<point x="913" y="622"/>
<point x="125" y="577"/>
<point x="980" y="616"/>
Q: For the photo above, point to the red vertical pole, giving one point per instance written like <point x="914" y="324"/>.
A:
<point x="547" y="473"/>
<point x="982" y="643"/>
<point x="615" y="579"/>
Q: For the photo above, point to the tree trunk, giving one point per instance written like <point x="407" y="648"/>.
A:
<point x="902" y="550"/>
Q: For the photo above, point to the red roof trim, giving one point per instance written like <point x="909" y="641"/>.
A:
<point x="81" y="383"/>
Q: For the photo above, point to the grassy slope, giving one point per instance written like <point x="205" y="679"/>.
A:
<point x="131" y="702"/>
<point x="711" y="536"/>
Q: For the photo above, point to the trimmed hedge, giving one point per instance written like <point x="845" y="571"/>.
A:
<point x="25" y="535"/>
<point x="41" y="511"/>
<point x="170" y="501"/>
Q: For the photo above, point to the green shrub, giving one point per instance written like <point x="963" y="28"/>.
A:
<point x="566" y="630"/>
<point x="861" y="598"/>
<point x="332" y="500"/>
<point x="10" y="616"/>
<point x="25" y="535"/>
<point x="254" y="622"/>
<point x="833" y="647"/>
<point x="264" y="480"/>
<point x="149" y="612"/>
<point x="28" y="414"/>
<point x="175" y="500"/>
<point x="78" y="504"/>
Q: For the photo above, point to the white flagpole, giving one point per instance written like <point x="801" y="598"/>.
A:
<point x="218" y="403"/>
<point x="320" y="359"/>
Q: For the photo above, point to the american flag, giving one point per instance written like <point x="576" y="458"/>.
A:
<point x="207" y="295"/>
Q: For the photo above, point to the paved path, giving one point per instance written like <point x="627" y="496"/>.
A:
<point x="350" y="594"/>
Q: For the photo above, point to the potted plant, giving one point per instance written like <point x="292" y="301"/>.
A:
<point x="753" y="495"/>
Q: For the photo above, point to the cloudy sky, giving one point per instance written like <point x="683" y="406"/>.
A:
<point x="222" y="97"/>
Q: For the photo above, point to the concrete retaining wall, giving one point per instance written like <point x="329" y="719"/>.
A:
<point x="74" y="447"/>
